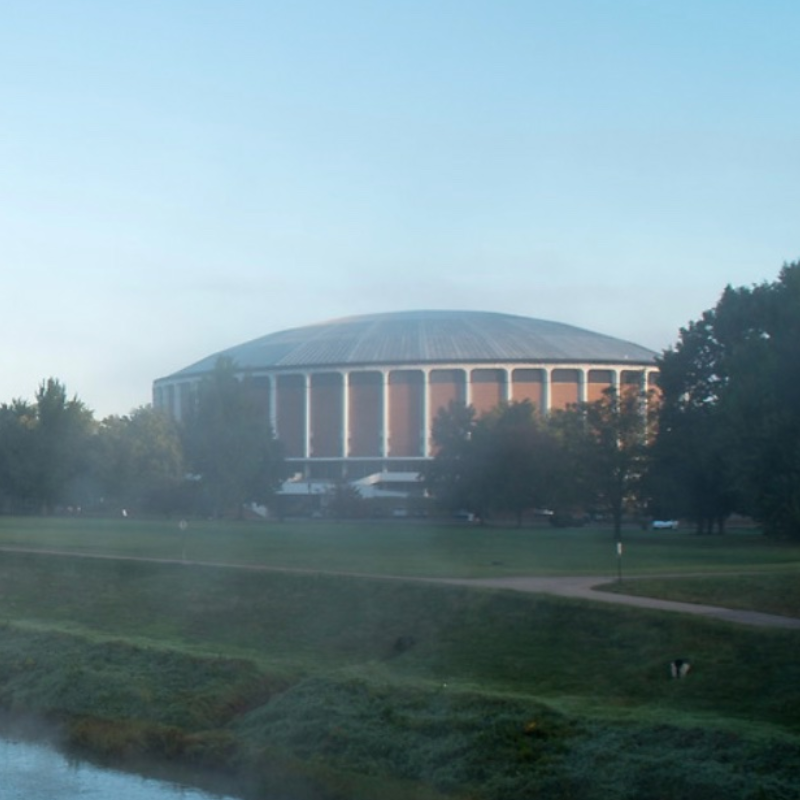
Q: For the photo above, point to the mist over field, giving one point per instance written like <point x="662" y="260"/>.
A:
<point x="300" y="680"/>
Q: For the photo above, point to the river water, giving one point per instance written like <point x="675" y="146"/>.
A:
<point x="35" y="771"/>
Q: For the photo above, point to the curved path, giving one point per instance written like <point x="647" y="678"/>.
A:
<point x="581" y="587"/>
<point x="584" y="588"/>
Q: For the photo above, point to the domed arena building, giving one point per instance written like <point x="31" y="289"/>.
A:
<point x="356" y="397"/>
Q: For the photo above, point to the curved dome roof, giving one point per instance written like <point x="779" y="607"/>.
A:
<point x="421" y="337"/>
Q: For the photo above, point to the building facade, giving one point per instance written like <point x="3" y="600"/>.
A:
<point x="358" y="396"/>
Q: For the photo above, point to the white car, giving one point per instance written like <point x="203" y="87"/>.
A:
<point x="664" y="524"/>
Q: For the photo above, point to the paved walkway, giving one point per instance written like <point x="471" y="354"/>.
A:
<point x="583" y="587"/>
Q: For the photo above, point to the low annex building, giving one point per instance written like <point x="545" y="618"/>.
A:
<point x="356" y="397"/>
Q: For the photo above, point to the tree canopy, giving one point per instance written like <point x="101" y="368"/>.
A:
<point x="228" y="444"/>
<point x="590" y="456"/>
<point x="606" y="443"/>
<point x="138" y="461"/>
<point x="507" y="461"/>
<point x="729" y="429"/>
<point x="43" y="448"/>
<point x="55" y="456"/>
<point x="726" y="438"/>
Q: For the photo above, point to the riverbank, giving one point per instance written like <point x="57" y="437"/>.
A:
<point x="34" y="767"/>
<point x="351" y="736"/>
<point x="318" y="686"/>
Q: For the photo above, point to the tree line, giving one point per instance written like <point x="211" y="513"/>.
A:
<point x="729" y="424"/>
<point x="54" y="455"/>
<point x="588" y="459"/>
<point x="721" y="435"/>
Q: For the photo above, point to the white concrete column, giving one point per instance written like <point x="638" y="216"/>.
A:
<point x="385" y="414"/>
<point x="583" y="384"/>
<point x="273" y="403"/>
<point x="345" y="414"/>
<point x="426" y="410"/>
<point x="507" y="393"/>
<point x="546" y="389"/>
<point x="467" y="386"/>
<point x="307" y="436"/>
<point x="648" y="403"/>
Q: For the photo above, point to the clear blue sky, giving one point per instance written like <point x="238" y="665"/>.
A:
<point x="180" y="176"/>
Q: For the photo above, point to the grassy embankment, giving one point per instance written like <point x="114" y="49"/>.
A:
<point x="398" y="689"/>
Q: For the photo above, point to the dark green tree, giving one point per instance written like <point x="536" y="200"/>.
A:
<point x="138" y="461"/>
<point x="229" y="445"/>
<point x="729" y="429"/>
<point x="613" y="454"/>
<point x="691" y="472"/>
<point x="452" y="476"/>
<point x="60" y="440"/>
<point x="761" y="400"/>
<point x="505" y="462"/>
<point x="18" y="467"/>
<point x="521" y="461"/>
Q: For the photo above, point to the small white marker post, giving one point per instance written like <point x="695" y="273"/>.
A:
<point x="619" y="562"/>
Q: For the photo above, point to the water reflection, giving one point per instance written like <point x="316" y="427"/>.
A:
<point x="31" y="771"/>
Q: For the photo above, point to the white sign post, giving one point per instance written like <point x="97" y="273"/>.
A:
<point x="183" y="525"/>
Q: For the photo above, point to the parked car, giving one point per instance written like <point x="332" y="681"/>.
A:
<point x="664" y="525"/>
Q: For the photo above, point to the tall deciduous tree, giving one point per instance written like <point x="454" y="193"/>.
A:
<point x="613" y="452"/>
<point x="505" y="462"/>
<point x="17" y="458"/>
<point x="730" y="420"/>
<point x="521" y="459"/>
<point x="691" y="471"/>
<point x="139" y="460"/>
<point x="229" y="444"/>
<point x="452" y="475"/>
<point x="60" y="439"/>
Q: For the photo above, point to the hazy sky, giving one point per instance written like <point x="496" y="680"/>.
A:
<point x="180" y="176"/>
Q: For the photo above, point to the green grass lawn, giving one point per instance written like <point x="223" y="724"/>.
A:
<point x="770" y="592"/>
<point x="297" y="624"/>
<point x="406" y="549"/>
<point x="412" y="689"/>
